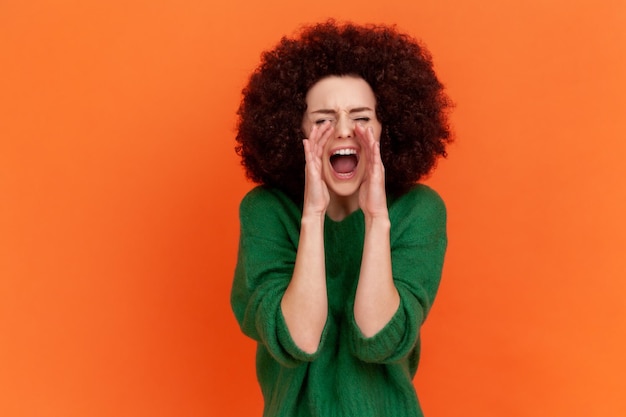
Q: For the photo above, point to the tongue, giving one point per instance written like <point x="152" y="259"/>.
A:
<point x="343" y="163"/>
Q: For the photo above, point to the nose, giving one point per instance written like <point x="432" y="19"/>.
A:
<point x="344" y="127"/>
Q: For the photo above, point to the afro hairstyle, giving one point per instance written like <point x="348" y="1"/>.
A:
<point x="410" y="102"/>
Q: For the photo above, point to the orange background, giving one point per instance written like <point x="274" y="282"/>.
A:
<point x="119" y="191"/>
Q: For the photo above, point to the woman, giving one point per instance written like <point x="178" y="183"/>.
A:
<point x="341" y="250"/>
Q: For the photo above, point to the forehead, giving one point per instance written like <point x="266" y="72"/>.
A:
<point x="340" y="92"/>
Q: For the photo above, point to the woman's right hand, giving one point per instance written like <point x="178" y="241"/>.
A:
<point x="316" y="197"/>
<point x="305" y="302"/>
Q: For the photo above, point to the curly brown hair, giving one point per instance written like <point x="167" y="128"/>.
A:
<point x="410" y="102"/>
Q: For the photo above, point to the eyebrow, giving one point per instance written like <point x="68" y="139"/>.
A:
<point x="330" y="111"/>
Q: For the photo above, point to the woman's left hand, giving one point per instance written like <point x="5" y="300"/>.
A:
<point x="372" y="196"/>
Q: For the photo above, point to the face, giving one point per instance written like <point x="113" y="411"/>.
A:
<point x="345" y="102"/>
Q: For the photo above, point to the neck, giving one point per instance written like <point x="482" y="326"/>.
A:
<point x="341" y="207"/>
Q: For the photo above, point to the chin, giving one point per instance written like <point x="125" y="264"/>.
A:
<point x="346" y="188"/>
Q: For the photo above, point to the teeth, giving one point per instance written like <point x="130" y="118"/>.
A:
<point x="345" y="152"/>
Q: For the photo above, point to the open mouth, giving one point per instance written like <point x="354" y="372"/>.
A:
<point x="344" y="161"/>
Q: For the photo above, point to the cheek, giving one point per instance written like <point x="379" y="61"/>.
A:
<point x="378" y="129"/>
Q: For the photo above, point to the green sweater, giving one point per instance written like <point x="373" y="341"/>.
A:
<point x="350" y="375"/>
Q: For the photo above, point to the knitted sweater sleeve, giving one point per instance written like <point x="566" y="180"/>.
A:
<point x="418" y="245"/>
<point x="269" y="232"/>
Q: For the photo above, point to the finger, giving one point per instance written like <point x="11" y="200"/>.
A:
<point x="327" y="133"/>
<point x="368" y="144"/>
<point x="377" y="158"/>
<point x="363" y="136"/>
<point x="373" y="141"/>
<point x="318" y="130"/>
<point x="308" y="156"/>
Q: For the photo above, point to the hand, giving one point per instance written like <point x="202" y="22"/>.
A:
<point x="372" y="195"/>
<point x="316" y="196"/>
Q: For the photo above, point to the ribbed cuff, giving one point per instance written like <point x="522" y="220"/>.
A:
<point x="289" y="345"/>
<point x="384" y="344"/>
